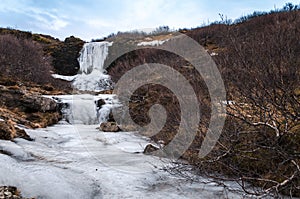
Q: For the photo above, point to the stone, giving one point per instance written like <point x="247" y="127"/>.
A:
<point x="150" y="148"/>
<point x="109" y="127"/>
<point x="21" y="133"/>
<point x="111" y="117"/>
<point x="39" y="103"/>
<point x="100" y="103"/>
<point x="8" y="131"/>
<point x="8" y="192"/>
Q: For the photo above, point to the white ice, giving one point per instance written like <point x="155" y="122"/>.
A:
<point x="92" y="75"/>
<point x="63" y="77"/>
<point x="79" y="161"/>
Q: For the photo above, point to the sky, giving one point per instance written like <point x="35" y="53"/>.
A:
<point x="93" y="19"/>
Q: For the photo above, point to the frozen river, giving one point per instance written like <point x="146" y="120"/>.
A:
<point x="79" y="161"/>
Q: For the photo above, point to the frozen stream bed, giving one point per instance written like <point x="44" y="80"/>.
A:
<point x="78" y="161"/>
<point x="58" y="164"/>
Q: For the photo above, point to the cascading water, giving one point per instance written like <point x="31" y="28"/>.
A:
<point x="82" y="109"/>
<point x="92" y="75"/>
<point x="85" y="109"/>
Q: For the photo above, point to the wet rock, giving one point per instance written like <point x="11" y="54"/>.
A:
<point x="109" y="127"/>
<point x="111" y="117"/>
<point x="150" y="148"/>
<point x="100" y="103"/>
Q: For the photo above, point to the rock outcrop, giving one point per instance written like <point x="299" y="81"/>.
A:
<point x="18" y="97"/>
<point x="100" y="103"/>
<point x="150" y="148"/>
<point x="25" y="106"/>
<point x="109" y="127"/>
<point x="7" y="130"/>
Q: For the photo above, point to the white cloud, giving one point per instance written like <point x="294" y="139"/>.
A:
<point x="41" y="17"/>
<point x="97" y="18"/>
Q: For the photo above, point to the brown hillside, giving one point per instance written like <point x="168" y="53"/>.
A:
<point x="259" y="59"/>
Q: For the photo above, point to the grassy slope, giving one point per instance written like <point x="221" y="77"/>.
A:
<point x="254" y="49"/>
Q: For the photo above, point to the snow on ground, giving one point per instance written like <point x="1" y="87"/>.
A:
<point x="63" y="77"/>
<point x="213" y="54"/>
<point x="152" y="43"/>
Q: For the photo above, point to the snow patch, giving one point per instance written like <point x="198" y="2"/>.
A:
<point x="213" y="54"/>
<point x="63" y="77"/>
<point x="152" y="43"/>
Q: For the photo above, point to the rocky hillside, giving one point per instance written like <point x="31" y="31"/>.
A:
<point x="258" y="57"/>
<point x="63" y="54"/>
<point x="26" y="68"/>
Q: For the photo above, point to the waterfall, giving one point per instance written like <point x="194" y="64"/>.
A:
<point x="85" y="109"/>
<point x="91" y="76"/>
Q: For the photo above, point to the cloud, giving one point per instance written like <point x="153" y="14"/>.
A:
<point x="97" y="18"/>
<point x="39" y="17"/>
<point x="46" y="19"/>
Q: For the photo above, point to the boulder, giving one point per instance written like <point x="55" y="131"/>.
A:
<point x="109" y="127"/>
<point x="150" y="148"/>
<point x="21" y="133"/>
<point x="39" y="103"/>
<point x="8" y="131"/>
<point x="17" y="97"/>
<point x="100" y="103"/>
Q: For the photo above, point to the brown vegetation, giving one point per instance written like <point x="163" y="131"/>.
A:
<point x="259" y="61"/>
<point x="25" y="75"/>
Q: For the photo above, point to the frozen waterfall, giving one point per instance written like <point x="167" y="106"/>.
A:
<point x="85" y="109"/>
<point x="92" y="75"/>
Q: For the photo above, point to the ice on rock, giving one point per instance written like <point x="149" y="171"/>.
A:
<point x="92" y="75"/>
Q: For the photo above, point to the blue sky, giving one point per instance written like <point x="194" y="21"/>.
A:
<point x="89" y="19"/>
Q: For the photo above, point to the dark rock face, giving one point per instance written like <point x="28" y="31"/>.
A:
<point x="65" y="56"/>
<point x="109" y="127"/>
<point x="111" y="117"/>
<point x="150" y="148"/>
<point x="100" y="103"/>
